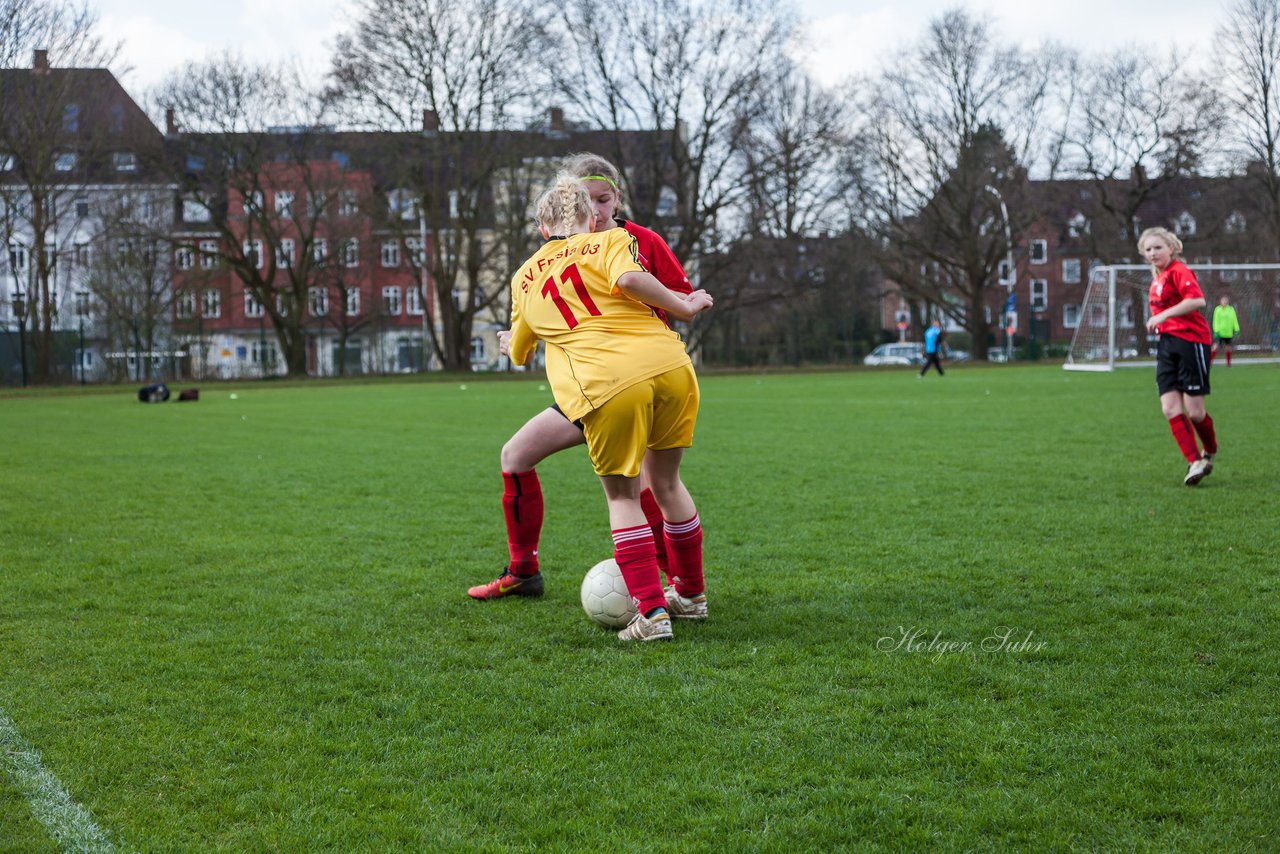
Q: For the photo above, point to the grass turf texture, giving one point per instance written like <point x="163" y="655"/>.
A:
<point x="242" y="624"/>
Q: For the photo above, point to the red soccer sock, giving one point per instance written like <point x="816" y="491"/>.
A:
<point x="634" y="551"/>
<point x="522" y="508"/>
<point x="684" y="550"/>
<point x="1180" y="425"/>
<point x="1228" y="358"/>
<point x="1204" y="429"/>
<point x="653" y="514"/>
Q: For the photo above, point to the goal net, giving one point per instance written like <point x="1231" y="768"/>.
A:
<point x="1111" y="326"/>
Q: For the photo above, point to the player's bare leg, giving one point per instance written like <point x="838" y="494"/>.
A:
<point x="686" y="598"/>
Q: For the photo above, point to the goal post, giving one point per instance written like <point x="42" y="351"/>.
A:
<point x="1111" y="327"/>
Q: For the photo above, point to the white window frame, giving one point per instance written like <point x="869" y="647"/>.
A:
<point x="1007" y="275"/>
<point x="284" y="203"/>
<point x="416" y="254"/>
<point x="351" y="252"/>
<point x="17" y="257"/>
<point x="125" y="161"/>
<point x="1234" y="224"/>
<point x="185" y="305"/>
<point x="413" y="301"/>
<point x="211" y="303"/>
<point x="195" y="210"/>
<point x="391" y="301"/>
<point x="208" y="254"/>
<point x="1071" y="315"/>
<point x="184" y="258"/>
<point x="253" y="308"/>
<point x="479" y="351"/>
<point x="1185" y="225"/>
<point x="318" y="302"/>
<point x="1039" y="251"/>
<point x="65" y="161"/>
<point x="1039" y="302"/>
<point x="348" y="203"/>
<point x="353" y="302"/>
<point x="282" y="305"/>
<point x="320" y="250"/>
<point x="1069" y="264"/>
<point x="253" y="251"/>
<point x="285" y="253"/>
<point x="390" y="253"/>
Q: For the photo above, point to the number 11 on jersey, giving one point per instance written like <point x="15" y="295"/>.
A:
<point x="570" y="275"/>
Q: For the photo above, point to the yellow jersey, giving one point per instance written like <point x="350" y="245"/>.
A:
<point x="599" y="340"/>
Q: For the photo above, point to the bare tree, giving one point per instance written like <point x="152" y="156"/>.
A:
<point x="48" y="141"/>
<point x="694" y="71"/>
<point x="951" y="127"/>
<point x="1249" y="47"/>
<point x="255" y="164"/>
<point x="452" y="79"/>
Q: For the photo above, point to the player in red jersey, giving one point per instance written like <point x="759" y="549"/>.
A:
<point x="549" y="431"/>
<point x="1182" y="354"/>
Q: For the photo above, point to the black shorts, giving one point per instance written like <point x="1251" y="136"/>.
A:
<point x="577" y="423"/>
<point x="1182" y="365"/>
<point x="1226" y="342"/>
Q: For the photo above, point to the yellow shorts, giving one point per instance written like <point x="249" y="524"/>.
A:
<point x="657" y="413"/>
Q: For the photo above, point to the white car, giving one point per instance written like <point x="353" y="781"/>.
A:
<point x="899" y="353"/>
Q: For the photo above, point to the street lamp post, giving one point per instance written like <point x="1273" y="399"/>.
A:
<point x="1008" y="261"/>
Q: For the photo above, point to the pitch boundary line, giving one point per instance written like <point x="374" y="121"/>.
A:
<point x="67" y="822"/>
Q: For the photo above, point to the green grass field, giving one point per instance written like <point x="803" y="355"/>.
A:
<point x="241" y="624"/>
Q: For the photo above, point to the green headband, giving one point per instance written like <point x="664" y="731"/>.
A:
<point x="604" y="178"/>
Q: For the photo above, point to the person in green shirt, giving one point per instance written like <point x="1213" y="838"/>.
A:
<point x="1225" y="326"/>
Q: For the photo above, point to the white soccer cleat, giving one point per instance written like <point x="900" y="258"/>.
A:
<point x="642" y="628"/>
<point x="1197" y="471"/>
<point x="691" y="608"/>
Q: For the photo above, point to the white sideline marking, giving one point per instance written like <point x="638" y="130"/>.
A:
<point x="67" y="822"/>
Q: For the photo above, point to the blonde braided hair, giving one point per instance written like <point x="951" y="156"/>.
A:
<point x="565" y="208"/>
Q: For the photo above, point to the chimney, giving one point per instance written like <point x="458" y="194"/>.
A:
<point x="40" y="61"/>
<point x="430" y="121"/>
<point x="557" y="119"/>
<point x="1138" y="174"/>
<point x="170" y="123"/>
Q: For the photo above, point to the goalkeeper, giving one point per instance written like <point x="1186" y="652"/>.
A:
<point x="1225" y="327"/>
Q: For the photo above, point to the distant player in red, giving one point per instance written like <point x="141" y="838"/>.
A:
<point x="1182" y="354"/>
<point x="549" y="432"/>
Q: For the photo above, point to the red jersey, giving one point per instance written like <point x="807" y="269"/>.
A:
<point x="1168" y="289"/>
<point x="656" y="257"/>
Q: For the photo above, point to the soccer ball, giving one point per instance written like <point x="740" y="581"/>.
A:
<point x="605" y="597"/>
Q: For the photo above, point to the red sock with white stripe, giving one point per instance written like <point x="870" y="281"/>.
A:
<point x="634" y="551"/>
<point x="684" y="555"/>
<point x="1180" y="426"/>
<point x="522" y="509"/>
<point x="1204" y="429"/>
<point x="653" y="515"/>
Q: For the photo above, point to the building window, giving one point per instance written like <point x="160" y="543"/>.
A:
<point x="183" y="258"/>
<point x="264" y="354"/>
<point x="453" y="204"/>
<point x="253" y="253"/>
<point x="208" y="254"/>
<point x="477" y="349"/>
<point x="391" y="301"/>
<point x="1071" y="315"/>
<point x="253" y="308"/>
<point x="71" y="118"/>
<point x="1078" y="225"/>
<point x="82" y="208"/>
<point x="64" y="161"/>
<point x="413" y="246"/>
<point x="1006" y="273"/>
<point x="351" y="253"/>
<point x="1039" y="251"/>
<point x="353" y="301"/>
<point x="282" y="305"/>
<point x="1097" y="315"/>
<point x="1039" y="294"/>
<point x="84" y="303"/>
<point x="348" y="203"/>
<point x="253" y="202"/>
<point x="284" y="253"/>
<point x="1235" y="223"/>
<point x="413" y="301"/>
<point x="7" y="162"/>
<point x="186" y="305"/>
<point x="211" y="303"/>
<point x="125" y="161"/>
<point x="316" y="205"/>
<point x="284" y="203"/>
<point x="1071" y="270"/>
<point x="320" y="250"/>
<point x="318" y="301"/>
<point x="402" y="203"/>
<point x="83" y="255"/>
<point x="17" y="257"/>
<point x="195" y="210"/>
<point x="390" y="253"/>
<point x="1184" y="225"/>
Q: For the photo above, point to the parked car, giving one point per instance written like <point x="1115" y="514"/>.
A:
<point x="897" y="353"/>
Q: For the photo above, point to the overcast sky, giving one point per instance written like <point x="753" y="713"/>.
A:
<point x="846" y="36"/>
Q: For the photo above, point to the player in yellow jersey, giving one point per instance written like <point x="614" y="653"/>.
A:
<point x="616" y="366"/>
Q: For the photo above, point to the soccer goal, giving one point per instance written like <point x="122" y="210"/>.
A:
<point x="1111" y="327"/>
